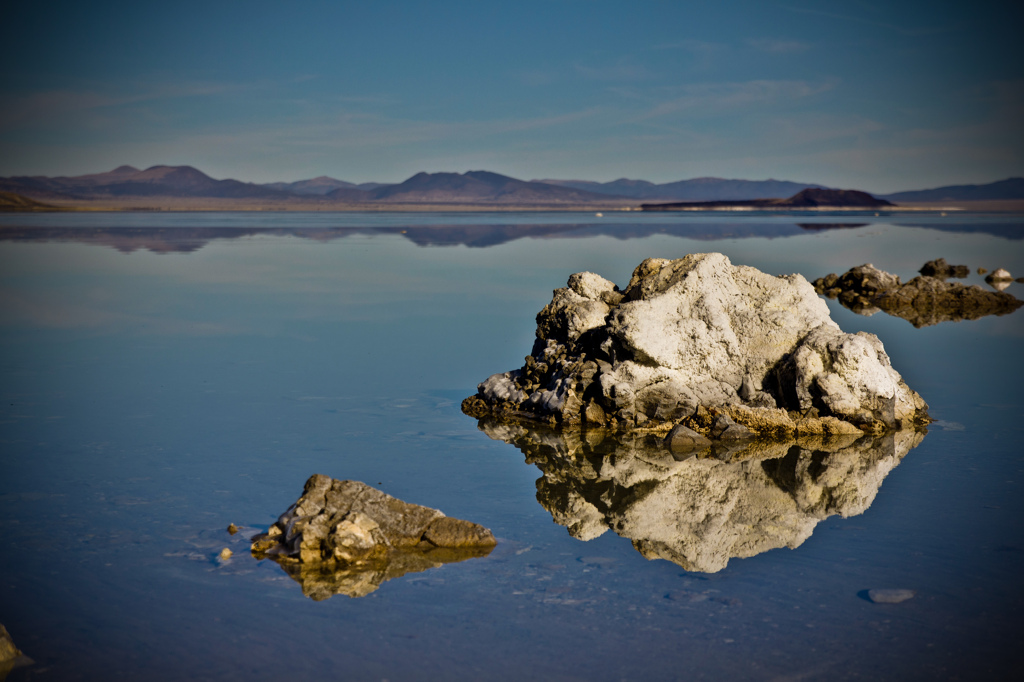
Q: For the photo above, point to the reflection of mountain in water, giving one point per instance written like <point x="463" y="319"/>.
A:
<point x="188" y="239"/>
<point x="1005" y="230"/>
<point x="706" y="509"/>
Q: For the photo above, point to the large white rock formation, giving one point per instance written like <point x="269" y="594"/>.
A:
<point x="694" y="341"/>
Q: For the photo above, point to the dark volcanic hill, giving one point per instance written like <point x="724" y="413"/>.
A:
<point x="695" y="189"/>
<point x="476" y="187"/>
<point x="1011" y="188"/>
<point x="807" y="198"/>
<point x="845" y="198"/>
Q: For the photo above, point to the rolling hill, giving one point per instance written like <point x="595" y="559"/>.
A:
<point x="9" y="201"/>
<point x="166" y="181"/>
<point x="1011" y="188"/>
<point x="320" y="186"/>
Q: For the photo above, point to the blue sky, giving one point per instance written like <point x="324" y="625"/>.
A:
<point x="880" y="97"/>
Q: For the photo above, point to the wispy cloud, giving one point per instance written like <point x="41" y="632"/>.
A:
<point x="622" y="70"/>
<point x="773" y="46"/>
<point x="50" y="104"/>
<point x="537" y="77"/>
<point x="703" y="54"/>
<point x="320" y="141"/>
<point x="709" y="98"/>
<point x="690" y="45"/>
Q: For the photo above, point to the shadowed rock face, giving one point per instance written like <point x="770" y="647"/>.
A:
<point x="943" y="270"/>
<point x="693" y="338"/>
<point x="923" y="301"/>
<point x="703" y="507"/>
<point x="344" y="537"/>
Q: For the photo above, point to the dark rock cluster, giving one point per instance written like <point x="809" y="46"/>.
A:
<point x="943" y="270"/>
<point x="923" y="301"/>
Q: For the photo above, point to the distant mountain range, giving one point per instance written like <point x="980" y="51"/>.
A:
<point x="474" y="187"/>
<point x="1011" y="188"/>
<point x="127" y="183"/>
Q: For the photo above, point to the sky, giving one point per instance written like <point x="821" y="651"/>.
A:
<point x="875" y="96"/>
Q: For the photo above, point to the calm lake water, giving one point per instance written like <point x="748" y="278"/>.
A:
<point x="164" y="375"/>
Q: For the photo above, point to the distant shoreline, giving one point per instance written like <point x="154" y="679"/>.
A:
<point x="192" y="205"/>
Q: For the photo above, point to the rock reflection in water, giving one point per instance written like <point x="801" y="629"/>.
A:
<point x="699" y="510"/>
<point x="322" y="581"/>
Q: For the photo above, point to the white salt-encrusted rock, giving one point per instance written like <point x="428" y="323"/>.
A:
<point x="691" y="333"/>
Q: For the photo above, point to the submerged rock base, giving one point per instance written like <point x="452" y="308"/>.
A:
<point x="702" y="506"/>
<point x="726" y="351"/>
<point x="923" y="301"/>
<point x="345" y="537"/>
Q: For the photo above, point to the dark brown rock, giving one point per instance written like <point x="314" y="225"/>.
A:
<point x="684" y="439"/>
<point x="923" y="301"/>
<point x="449" y="532"/>
<point x="943" y="270"/>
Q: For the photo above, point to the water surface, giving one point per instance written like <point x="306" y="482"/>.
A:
<point x="165" y="375"/>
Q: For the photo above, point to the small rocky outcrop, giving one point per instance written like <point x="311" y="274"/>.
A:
<point x="10" y="656"/>
<point x="705" y="505"/>
<point x="923" y="301"/>
<point x="1000" y="279"/>
<point x="943" y="270"/>
<point x="345" y="537"/>
<point x="693" y="339"/>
